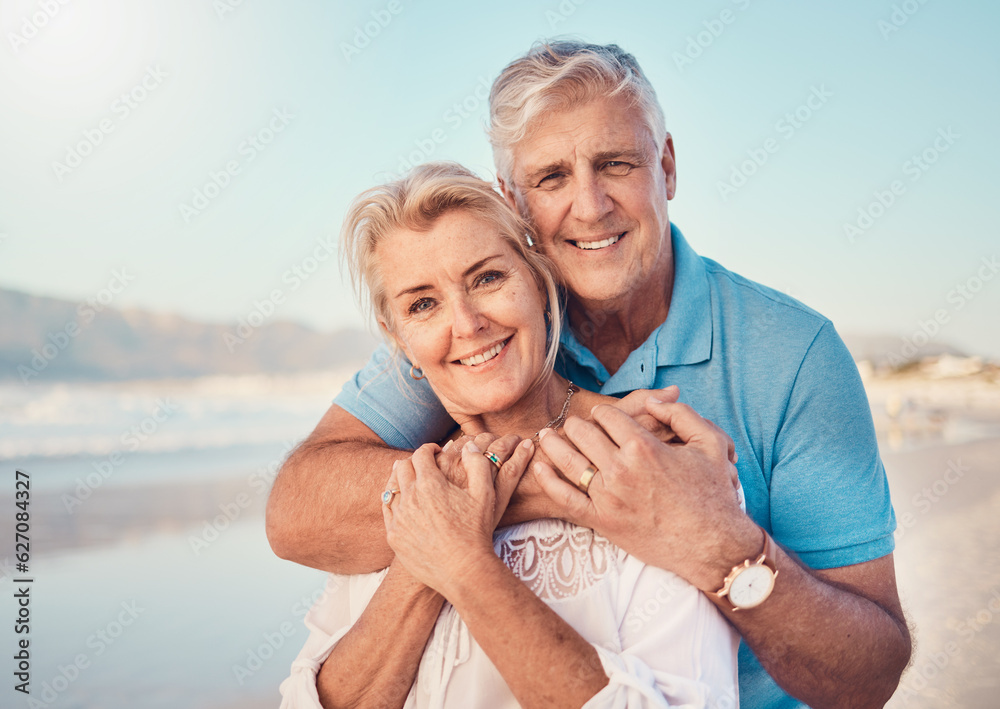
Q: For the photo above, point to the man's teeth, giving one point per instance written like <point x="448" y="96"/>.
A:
<point x="590" y="245"/>
<point x="485" y="356"/>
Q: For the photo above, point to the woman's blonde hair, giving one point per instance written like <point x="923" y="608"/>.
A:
<point x="415" y="203"/>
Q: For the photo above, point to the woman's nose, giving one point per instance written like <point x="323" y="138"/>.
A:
<point x="468" y="319"/>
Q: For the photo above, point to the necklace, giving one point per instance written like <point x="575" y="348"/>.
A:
<point x="561" y="418"/>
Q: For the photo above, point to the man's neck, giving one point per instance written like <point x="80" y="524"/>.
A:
<point x="613" y="330"/>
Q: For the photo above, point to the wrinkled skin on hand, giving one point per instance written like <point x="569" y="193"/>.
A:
<point x="449" y="503"/>
<point x="650" y="498"/>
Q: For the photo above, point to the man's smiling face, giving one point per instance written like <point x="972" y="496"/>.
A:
<point x="595" y="185"/>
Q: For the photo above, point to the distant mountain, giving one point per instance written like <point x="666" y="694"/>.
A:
<point x="45" y="339"/>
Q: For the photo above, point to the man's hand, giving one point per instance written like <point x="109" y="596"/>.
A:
<point x="671" y="505"/>
<point x="531" y="501"/>
<point x="674" y="506"/>
<point x="634" y="404"/>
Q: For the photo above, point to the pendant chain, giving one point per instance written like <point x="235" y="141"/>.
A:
<point x="561" y="418"/>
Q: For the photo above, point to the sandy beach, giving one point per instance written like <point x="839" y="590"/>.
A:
<point x="947" y="501"/>
<point x="941" y="448"/>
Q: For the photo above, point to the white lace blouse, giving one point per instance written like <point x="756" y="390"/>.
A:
<point x="661" y="642"/>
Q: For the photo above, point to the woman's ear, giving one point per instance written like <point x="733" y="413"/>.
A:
<point x="398" y="342"/>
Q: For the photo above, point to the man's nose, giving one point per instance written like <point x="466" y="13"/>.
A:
<point x="590" y="198"/>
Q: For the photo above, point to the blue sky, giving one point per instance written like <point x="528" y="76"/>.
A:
<point x="788" y="118"/>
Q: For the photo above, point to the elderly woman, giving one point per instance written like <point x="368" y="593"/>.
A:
<point x="543" y="613"/>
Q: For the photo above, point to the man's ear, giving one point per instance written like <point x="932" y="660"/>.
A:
<point x="669" y="164"/>
<point x="508" y="194"/>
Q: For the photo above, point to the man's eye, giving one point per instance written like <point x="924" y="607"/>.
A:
<point x="420" y="306"/>
<point x="617" y="167"/>
<point x="551" y="180"/>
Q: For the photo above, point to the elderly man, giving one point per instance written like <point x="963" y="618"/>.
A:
<point x="582" y="151"/>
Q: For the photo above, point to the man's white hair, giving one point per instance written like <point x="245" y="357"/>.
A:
<point x="558" y="75"/>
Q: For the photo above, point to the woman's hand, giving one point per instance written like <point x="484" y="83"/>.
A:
<point x="438" y="523"/>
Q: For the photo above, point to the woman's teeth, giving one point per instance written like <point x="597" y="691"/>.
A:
<point x="485" y="356"/>
<point x="590" y="245"/>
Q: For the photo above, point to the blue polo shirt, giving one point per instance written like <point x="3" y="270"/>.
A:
<point x="769" y="371"/>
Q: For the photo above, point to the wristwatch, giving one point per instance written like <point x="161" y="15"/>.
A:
<point x="749" y="584"/>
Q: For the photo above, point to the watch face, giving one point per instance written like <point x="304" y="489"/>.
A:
<point x="751" y="587"/>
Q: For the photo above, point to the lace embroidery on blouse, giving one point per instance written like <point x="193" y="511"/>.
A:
<point x="555" y="559"/>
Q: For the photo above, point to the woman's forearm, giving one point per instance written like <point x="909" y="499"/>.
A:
<point x="375" y="663"/>
<point x="544" y="660"/>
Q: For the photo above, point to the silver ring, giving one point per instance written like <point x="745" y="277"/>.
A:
<point x="387" y="497"/>
<point x="492" y="457"/>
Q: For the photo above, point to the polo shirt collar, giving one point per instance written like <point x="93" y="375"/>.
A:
<point x="685" y="337"/>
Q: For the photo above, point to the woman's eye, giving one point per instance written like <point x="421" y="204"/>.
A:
<point x="489" y="278"/>
<point x="420" y="306"/>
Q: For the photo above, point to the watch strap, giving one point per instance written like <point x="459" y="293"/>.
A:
<point x="769" y="555"/>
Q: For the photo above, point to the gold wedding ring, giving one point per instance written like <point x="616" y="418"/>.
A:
<point x="588" y="475"/>
<point x="492" y="457"/>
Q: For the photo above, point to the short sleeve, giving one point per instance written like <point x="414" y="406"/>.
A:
<point x="677" y="650"/>
<point x="338" y="609"/>
<point x="402" y="411"/>
<point x="829" y="496"/>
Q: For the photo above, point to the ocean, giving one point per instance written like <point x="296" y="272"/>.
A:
<point x="149" y="586"/>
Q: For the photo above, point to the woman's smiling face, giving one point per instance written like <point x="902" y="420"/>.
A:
<point x="467" y="311"/>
